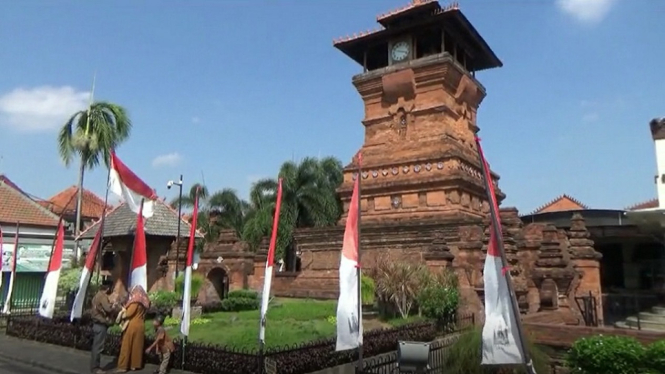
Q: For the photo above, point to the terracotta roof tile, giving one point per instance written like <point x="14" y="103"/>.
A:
<point x="561" y="204"/>
<point x="649" y="204"/>
<point x="17" y="206"/>
<point x="65" y="201"/>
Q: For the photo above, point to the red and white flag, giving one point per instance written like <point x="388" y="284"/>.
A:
<point x="270" y="265"/>
<point x="138" y="275"/>
<point x="12" y="276"/>
<point x="349" y="320"/>
<point x="501" y="339"/>
<point x="50" y="291"/>
<point x="86" y="273"/>
<point x="1" y="258"/>
<point x="127" y="185"/>
<point x="187" y="292"/>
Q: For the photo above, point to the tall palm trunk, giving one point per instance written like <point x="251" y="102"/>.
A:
<point x="79" y="205"/>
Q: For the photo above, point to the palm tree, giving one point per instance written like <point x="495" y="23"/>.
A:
<point x="221" y="210"/>
<point x="91" y="135"/>
<point x="308" y="200"/>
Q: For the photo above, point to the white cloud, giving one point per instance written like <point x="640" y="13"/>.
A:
<point x="586" y="11"/>
<point x="196" y="119"/>
<point x="41" y="108"/>
<point x="171" y="159"/>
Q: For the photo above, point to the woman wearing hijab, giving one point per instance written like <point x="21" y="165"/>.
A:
<point x="133" y="337"/>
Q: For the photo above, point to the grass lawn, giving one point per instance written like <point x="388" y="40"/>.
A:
<point x="290" y="321"/>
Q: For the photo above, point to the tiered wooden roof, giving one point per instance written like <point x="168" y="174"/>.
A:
<point x="416" y="14"/>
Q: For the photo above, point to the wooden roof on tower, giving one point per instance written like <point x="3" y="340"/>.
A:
<point x="421" y="13"/>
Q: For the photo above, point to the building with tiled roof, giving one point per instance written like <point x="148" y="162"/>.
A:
<point x="560" y="204"/>
<point x="17" y="207"/>
<point x="64" y="203"/>
<point x="161" y="232"/>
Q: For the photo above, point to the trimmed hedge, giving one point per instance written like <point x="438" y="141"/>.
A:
<point x="213" y="359"/>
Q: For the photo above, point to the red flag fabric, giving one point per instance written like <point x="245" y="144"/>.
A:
<point x="349" y="321"/>
<point x="127" y="185"/>
<point x="86" y="273"/>
<point x="270" y="262"/>
<point x="139" y="275"/>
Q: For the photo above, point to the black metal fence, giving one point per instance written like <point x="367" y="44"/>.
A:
<point x="623" y="310"/>
<point x="25" y="296"/>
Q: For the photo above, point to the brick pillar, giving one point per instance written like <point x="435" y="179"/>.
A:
<point x="439" y="258"/>
<point x="586" y="261"/>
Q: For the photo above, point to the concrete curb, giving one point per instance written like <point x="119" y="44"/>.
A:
<point x="37" y="364"/>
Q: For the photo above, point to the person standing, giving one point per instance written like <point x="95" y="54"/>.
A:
<point x="133" y="337"/>
<point x="163" y="345"/>
<point x="102" y="318"/>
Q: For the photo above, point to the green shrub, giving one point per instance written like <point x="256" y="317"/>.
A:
<point x="465" y="355"/>
<point x="367" y="290"/>
<point x="243" y="294"/>
<point x="239" y="304"/>
<point x="69" y="281"/>
<point x="438" y="302"/>
<point x="197" y="283"/>
<point x="606" y="354"/>
<point x="655" y="357"/>
<point x="163" y="299"/>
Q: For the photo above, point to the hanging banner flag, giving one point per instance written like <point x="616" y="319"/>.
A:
<point x="270" y="262"/>
<point x="50" y="291"/>
<point x="86" y="273"/>
<point x="349" y="318"/>
<point x="127" y="185"/>
<point x="187" y="292"/>
<point x="502" y="341"/>
<point x="138" y="270"/>
<point x="1" y="259"/>
<point x="12" y="276"/>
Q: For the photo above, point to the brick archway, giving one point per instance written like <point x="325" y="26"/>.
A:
<point x="219" y="278"/>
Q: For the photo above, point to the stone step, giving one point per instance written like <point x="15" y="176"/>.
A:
<point x="648" y="316"/>
<point x="650" y="325"/>
<point x="658" y="310"/>
<point x="624" y="325"/>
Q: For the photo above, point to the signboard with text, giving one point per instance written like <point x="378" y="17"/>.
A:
<point x="33" y="257"/>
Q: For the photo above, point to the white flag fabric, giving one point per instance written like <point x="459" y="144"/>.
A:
<point x="501" y="338"/>
<point x="349" y="320"/>
<point x="50" y="291"/>
<point x="86" y="273"/>
<point x="187" y="292"/>
<point x="8" y="299"/>
<point x="128" y="186"/>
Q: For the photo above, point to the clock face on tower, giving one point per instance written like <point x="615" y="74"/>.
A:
<point x="400" y="51"/>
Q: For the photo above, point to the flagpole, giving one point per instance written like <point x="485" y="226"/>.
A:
<point x="360" y="306"/>
<point x="98" y="255"/>
<point x="12" y="275"/>
<point x="131" y="259"/>
<point x="496" y="227"/>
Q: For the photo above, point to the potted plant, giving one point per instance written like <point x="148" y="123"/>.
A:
<point x="197" y="283"/>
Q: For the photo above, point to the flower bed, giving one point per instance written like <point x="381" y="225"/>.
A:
<point x="209" y="359"/>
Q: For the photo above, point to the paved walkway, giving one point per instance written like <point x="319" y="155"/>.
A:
<point x="56" y="359"/>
